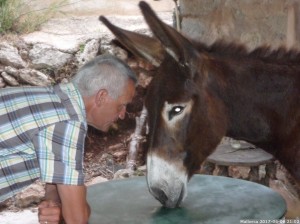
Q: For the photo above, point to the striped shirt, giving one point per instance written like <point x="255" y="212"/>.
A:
<point x="42" y="133"/>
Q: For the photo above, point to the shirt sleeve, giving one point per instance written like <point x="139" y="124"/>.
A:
<point x="60" y="149"/>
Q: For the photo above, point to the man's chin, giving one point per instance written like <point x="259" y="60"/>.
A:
<point x="106" y="128"/>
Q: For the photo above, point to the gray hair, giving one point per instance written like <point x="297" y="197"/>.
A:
<point x="103" y="72"/>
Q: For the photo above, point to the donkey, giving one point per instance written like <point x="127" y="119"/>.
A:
<point x="203" y="93"/>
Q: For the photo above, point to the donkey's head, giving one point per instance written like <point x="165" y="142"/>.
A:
<point x="183" y="115"/>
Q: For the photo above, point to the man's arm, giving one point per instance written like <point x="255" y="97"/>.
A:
<point x="51" y="193"/>
<point x="50" y="209"/>
<point x="75" y="208"/>
<point x="60" y="156"/>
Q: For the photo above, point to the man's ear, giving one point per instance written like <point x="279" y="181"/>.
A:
<point x="101" y="97"/>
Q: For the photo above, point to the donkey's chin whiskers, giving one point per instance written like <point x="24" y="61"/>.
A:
<point x="166" y="181"/>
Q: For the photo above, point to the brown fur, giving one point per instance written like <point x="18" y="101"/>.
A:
<point x="252" y="96"/>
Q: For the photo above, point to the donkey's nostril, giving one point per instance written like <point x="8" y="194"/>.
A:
<point x="159" y="195"/>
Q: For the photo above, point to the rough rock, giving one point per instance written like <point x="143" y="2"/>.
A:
<point x="12" y="71"/>
<point x="35" y="78"/>
<point x="23" y="54"/>
<point x="2" y="82"/>
<point x="89" y="51"/>
<point x="9" y="56"/>
<point x="114" y="50"/>
<point x="9" y="79"/>
<point x="45" y="56"/>
<point x="68" y="34"/>
<point x="31" y="195"/>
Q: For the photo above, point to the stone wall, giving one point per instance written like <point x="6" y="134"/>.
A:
<point x="252" y="22"/>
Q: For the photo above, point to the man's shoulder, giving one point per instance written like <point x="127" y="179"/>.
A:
<point x="72" y="100"/>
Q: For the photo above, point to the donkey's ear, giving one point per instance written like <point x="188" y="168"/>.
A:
<point x="140" y="45"/>
<point x="179" y="47"/>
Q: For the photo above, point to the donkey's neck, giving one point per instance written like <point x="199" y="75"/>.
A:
<point x="261" y="100"/>
<point x="262" y="106"/>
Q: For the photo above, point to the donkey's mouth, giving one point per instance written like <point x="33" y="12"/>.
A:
<point x="159" y="195"/>
<point x="168" y="200"/>
<point x="181" y="196"/>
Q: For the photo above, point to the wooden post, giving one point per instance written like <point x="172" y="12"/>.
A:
<point x="177" y="16"/>
<point x="136" y="140"/>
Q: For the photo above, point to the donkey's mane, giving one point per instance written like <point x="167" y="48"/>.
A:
<point x="265" y="53"/>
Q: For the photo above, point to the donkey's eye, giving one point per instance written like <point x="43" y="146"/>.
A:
<point x="175" y="111"/>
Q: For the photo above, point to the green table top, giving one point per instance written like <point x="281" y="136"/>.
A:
<point x="210" y="200"/>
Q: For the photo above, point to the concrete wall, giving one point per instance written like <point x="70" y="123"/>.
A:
<point x="253" y="22"/>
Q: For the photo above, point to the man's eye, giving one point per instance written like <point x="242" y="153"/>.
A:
<point x="175" y="111"/>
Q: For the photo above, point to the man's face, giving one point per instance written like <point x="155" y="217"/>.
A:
<point x="106" y="110"/>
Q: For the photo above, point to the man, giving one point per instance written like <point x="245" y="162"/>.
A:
<point x="42" y="132"/>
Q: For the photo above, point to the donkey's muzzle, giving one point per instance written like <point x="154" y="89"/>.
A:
<point x="168" y="199"/>
<point x="167" y="181"/>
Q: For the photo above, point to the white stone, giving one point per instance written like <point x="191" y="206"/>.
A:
<point x="9" y="56"/>
<point x="45" y="56"/>
<point x="89" y="51"/>
<point x="9" y="79"/>
<point x="35" y="78"/>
